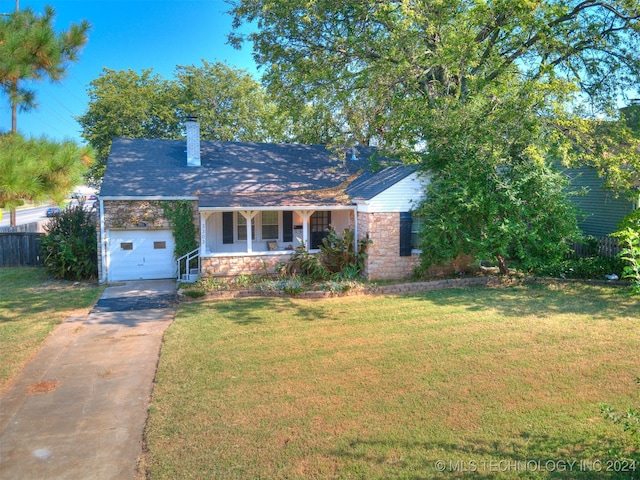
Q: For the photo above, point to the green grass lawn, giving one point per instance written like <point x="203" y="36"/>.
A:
<point x="500" y="382"/>
<point x="31" y="305"/>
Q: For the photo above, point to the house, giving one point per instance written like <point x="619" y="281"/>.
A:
<point x="601" y="210"/>
<point x="253" y="203"/>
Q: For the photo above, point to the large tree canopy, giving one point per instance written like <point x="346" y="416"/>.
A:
<point x="391" y="70"/>
<point x="486" y="92"/>
<point x="131" y="105"/>
<point x="229" y="103"/>
<point x="443" y="48"/>
<point x="30" y="49"/>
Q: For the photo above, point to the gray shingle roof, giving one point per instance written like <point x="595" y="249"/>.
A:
<point x="369" y="184"/>
<point x="235" y="173"/>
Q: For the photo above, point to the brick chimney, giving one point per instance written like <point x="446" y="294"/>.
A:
<point x="193" y="142"/>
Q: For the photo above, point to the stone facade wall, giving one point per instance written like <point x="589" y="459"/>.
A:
<point x="131" y="215"/>
<point x="384" y="261"/>
<point x="234" y="265"/>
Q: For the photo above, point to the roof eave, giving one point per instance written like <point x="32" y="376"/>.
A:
<point x="146" y="197"/>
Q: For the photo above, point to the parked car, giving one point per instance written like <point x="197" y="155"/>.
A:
<point x="53" y="211"/>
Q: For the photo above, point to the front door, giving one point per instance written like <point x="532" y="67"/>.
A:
<point x="319" y="227"/>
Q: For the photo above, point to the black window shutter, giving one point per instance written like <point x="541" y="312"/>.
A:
<point x="227" y="227"/>
<point x="405" y="234"/>
<point x="287" y="226"/>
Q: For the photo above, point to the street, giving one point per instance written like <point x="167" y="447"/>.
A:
<point x="35" y="214"/>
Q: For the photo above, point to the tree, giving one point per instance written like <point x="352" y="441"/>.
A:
<point x="493" y="194"/>
<point x="38" y="169"/>
<point x="229" y="103"/>
<point x="398" y="51"/>
<point x="128" y="104"/>
<point x="486" y="93"/>
<point x="612" y="147"/>
<point x="30" y="49"/>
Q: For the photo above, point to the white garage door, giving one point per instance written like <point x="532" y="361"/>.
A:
<point x="140" y="255"/>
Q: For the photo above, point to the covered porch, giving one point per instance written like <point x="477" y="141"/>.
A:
<point x="255" y="240"/>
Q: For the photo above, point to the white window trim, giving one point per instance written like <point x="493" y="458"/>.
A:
<point x="257" y="227"/>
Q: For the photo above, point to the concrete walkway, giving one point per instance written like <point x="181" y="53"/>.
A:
<point x="78" y="408"/>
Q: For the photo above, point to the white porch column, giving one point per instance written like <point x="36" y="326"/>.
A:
<point x="355" y="230"/>
<point x="248" y="215"/>
<point x="203" y="232"/>
<point x="305" y="215"/>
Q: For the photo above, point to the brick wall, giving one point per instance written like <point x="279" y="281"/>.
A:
<point x="384" y="261"/>
<point x="234" y="265"/>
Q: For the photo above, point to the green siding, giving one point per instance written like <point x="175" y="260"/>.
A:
<point x="602" y="210"/>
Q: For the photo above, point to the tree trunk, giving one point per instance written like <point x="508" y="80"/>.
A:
<point x="14" y="115"/>
<point x="502" y="265"/>
<point x="12" y="217"/>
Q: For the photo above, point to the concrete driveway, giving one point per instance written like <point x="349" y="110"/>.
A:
<point x="79" y="407"/>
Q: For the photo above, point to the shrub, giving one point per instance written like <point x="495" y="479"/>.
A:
<point x="588" y="268"/>
<point x="70" y="245"/>
<point x="195" y="293"/>
<point x="340" y="257"/>
<point x="629" y="235"/>
<point x="341" y="254"/>
<point x="304" y="263"/>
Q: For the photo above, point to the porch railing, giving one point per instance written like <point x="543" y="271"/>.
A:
<point x="187" y="272"/>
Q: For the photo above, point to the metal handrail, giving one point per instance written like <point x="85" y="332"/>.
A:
<point x="187" y="259"/>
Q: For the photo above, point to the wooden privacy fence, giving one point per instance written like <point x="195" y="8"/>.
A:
<point x="602" y="246"/>
<point x="26" y="227"/>
<point x="19" y="249"/>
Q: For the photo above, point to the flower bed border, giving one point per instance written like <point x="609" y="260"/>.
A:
<point x="396" y="288"/>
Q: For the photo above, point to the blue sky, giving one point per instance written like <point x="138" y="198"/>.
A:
<point x="125" y="34"/>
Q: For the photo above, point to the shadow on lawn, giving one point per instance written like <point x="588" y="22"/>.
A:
<point x="538" y="300"/>
<point x="539" y="456"/>
<point x="245" y="312"/>
<point x="541" y="300"/>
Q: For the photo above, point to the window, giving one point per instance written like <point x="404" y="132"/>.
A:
<point x="242" y="227"/>
<point x="416" y="225"/>
<point x="126" y="246"/>
<point x="269" y="225"/>
<point x="159" y="245"/>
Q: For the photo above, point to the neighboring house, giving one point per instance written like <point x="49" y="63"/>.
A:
<point x="600" y="209"/>
<point x="253" y="204"/>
